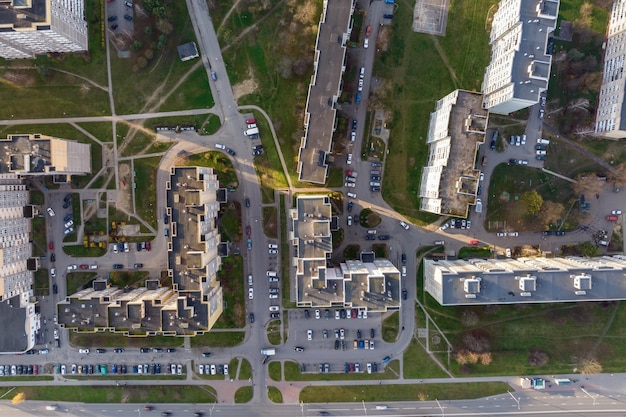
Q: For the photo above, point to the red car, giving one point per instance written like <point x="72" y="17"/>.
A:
<point x="250" y="121"/>
<point x="611" y="218"/>
<point x="84" y="267"/>
<point x="51" y="246"/>
<point x="473" y="242"/>
<point x="368" y="30"/>
<point x="248" y="231"/>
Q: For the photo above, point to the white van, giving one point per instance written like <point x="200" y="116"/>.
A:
<point x="362" y="74"/>
<point x="271" y="274"/>
<point x="250" y="280"/>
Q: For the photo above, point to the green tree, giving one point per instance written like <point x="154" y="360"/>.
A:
<point x="533" y="202"/>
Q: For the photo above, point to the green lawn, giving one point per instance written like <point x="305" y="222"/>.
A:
<point x="417" y="363"/>
<point x="391" y="327"/>
<point x="270" y="222"/>
<point x="40" y="243"/>
<point x="274" y="395"/>
<point x="273" y="332"/>
<point x="42" y="282"/>
<point x="416" y="76"/>
<point x="230" y="222"/>
<point x="243" y="395"/>
<point x="79" y="251"/>
<point x="218" y="339"/>
<point x="78" y="280"/>
<point x="245" y="371"/>
<point x="231" y="279"/>
<point x="145" y="202"/>
<point x="474" y="252"/>
<point x="128" y="394"/>
<point x="275" y="371"/>
<point x="101" y="130"/>
<point x="421" y="392"/>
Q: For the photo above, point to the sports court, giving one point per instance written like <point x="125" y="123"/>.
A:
<point x="431" y="16"/>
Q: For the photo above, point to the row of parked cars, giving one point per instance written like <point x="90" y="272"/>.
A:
<point x="104" y="369"/>
<point x="356" y="367"/>
<point x="213" y="369"/>
<point x="341" y="313"/>
<point x="7" y="370"/>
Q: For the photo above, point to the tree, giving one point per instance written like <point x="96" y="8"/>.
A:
<point x="533" y="202"/>
<point x="551" y="212"/>
<point x="19" y="398"/>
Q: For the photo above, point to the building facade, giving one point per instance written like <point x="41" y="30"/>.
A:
<point x="365" y="284"/>
<point x="194" y="302"/>
<point x="18" y="319"/>
<point x="521" y="54"/>
<point x="610" y="116"/>
<point x="450" y="180"/>
<point x="525" y="280"/>
<point x="36" y="27"/>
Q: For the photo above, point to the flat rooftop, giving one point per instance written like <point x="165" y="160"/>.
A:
<point x="22" y="13"/>
<point x="324" y="90"/>
<point x="529" y="280"/>
<point x="13" y="320"/>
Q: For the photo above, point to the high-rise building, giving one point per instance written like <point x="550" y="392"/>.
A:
<point x="35" y="27"/>
<point x="521" y="54"/>
<point x="610" y="120"/>
<point x="18" y="318"/>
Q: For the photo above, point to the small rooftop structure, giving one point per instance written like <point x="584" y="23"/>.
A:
<point x="187" y="51"/>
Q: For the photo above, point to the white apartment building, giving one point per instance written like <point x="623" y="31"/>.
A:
<point x="450" y="179"/>
<point x="35" y="27"/>
<point x="521" y="44"/>
<point x="18" y="319"/>
<point x="611" y="106"/>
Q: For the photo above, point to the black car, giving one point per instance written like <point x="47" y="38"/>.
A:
<point x="112" y="18"/>
<point x="404" y="259"/>
<point x="55" y="289"/>
<point x="251" y="318"/>
<point x="307" y="314"/>
<point x="145" y="350"/>
<point x="350" y="205"/>
<point x="559" y="233"/>
<point x="342" y="313"/>
<point x="540" y="157"/>
<point x="548" y="233"/>
<point x="206" y="354"/>
<point x="231" y="152"/>
<point x="376" y="164"/>
<point x="114" y="26"/>
<point x="165" y="219"/>
<point x="138" y="246"/>
<point x="138" y="265"/>
<point x="247" y="202"/>
<point x="157" y="350"/>
<point x="67" y="204"/>
<point x="53" y="257"/>
<point x="372" y="333"/>
<point x="336" y="344"/>
<point x="384" y="237"/>
<point x="358" y="334"/>
<point x="375" y="178"/>
<point x="356" y="219"/>
<point x="405" y="294"/>
<point x="275" y="315"/>
<point x="370" y="237"/>
<point x="375" y="189"/>
<point x="512" y="161"/>
<point x="171" y="350"/>
<point x="118" y="350"/>
<point x="354" y="124"/>
<point x="118" y="266"/>
<point x="68" y="197"/>
<point x="128" y="17"/>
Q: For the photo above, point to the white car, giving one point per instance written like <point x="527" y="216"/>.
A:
<point x="83" y="350"/>
<point x="179" y="369"/>
<point x="53" y="272"/>
<point x="482" y="177"/>
<point x="351" y="195"/>
<point x="444" y="226"/>
<point x="93" y="266"/>
<point x="513" y="234"/>
<point x="250" y="293"/>
<point x="213" y="369"/>
<point x="273" y="296"/>
<point x="349" y="184"/>
<point x="371" y="344"/>
<point x="225" y="369"/>
<point x="352" y="136"/>
<point x="309" y="334"/>
<point x="317" y="314"/>
<point x="337" y="315"/>
<point x="273" y="251"/>
<point x="403" y="224"/>
<point x="63" y="369"/>
<point x="72" y="267"/>
<point x="68" y="231"/>
<point x="616" y="212"/>
<point x="140" y="369"/>
<point x="250" y="280"/>
<point x="508" y="252"/>
<point x="50" y="211"/>
<point x="360" y="85"/>
<point x="114" y="247"/>
<point x="274" y="308"/>
<point x="366" y="43"/>
<point x="220" y="146"/>
<point x="69" y="224"/>
<point x="201" y="369"/>
<point x="349" y="161"/>
<point x="272" y="246"/>
<point x="173" y="368"/>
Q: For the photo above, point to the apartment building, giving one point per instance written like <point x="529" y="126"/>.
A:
<point x="525" y="280"/>
<point x="194" y="302"/>
<point x="521" y="54"/>
<point x="367" y="283"/>
<point x="18" y="318"/>
<point x="610" y="120"/>
<point x="450" y="179"/>
<point x="36" y="27"/>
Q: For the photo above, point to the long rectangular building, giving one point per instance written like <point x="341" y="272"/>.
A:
<point x="521" y="54"/>
<point x="525" y="280"/>
<point x="611" y="113"/>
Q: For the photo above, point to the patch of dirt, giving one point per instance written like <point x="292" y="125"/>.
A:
<point x="382" y="41"/>
<point x="244" y="88"/>
<point x="24" y="79"/>
<point x="124" y="190"/>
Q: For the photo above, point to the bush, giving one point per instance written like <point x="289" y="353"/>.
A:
<point x="537" y="358"/>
